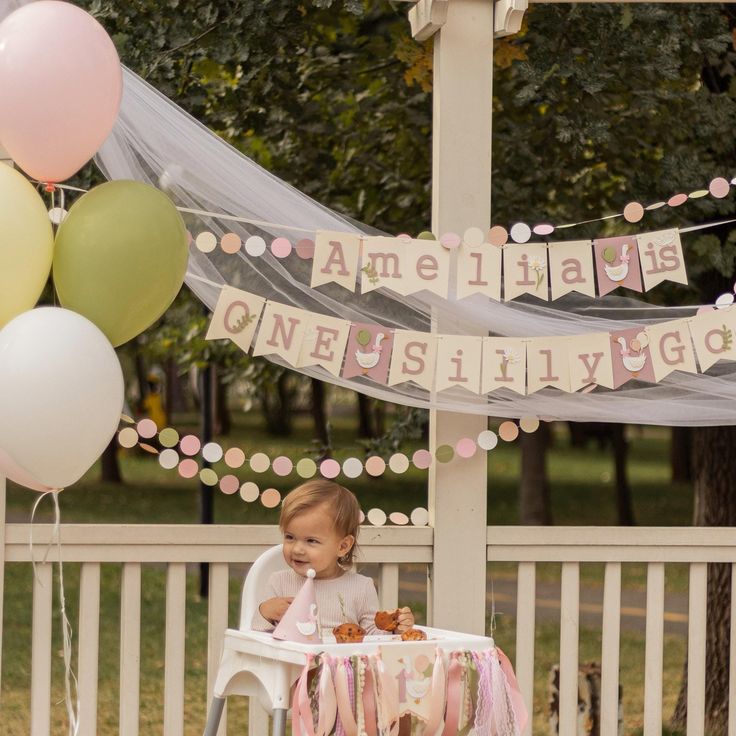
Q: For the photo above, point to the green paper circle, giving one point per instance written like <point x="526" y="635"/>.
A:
<point x="208" y="476"/>
<point x="306" y="468"/>
<point x="168" y="437"/>
<point x="444" y="454"/>
<point x="426" y="235"/>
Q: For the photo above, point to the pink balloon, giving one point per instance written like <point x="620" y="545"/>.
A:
<point x="60" y="86"/>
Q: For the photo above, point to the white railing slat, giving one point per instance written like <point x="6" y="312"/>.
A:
<point x="525" y="627"/>
<point x="569" y="630"/>
<point x="41" y="651"/>
<point x="388" y="586"/>
<point x="732" y="659"/>
<point x="130" y="648"/>
<point x="89" y="644"/>
<point x="174" y="657"/>
<point x="216" y="625"/>
<point x="611" y="635"/>
<point x="696" y="636"/>
<point x="654" y="650"/>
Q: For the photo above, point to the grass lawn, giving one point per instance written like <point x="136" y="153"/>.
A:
<point x="582" y="494"/>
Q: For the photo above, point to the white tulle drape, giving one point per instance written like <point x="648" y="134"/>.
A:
<point x="157" y="142"/>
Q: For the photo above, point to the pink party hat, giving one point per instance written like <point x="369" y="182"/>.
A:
<point x="301" y="620"/>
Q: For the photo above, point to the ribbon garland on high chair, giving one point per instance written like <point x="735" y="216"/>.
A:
<point x="465" y="693"/>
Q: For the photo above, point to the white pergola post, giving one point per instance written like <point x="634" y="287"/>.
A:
<point x="461" y="197"/>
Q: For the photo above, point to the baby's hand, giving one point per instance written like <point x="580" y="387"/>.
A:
<point x="274" y="608"/>
<point x="406" y="620"/>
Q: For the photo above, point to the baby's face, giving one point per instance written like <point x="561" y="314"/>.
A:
<point x="310" y="540"/>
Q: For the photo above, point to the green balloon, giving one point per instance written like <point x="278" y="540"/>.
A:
<point x="120" y="257"/>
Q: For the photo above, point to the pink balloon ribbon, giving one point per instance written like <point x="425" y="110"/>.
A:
<point x="301" y="713"/>
<point x="369" y="700"/>
<point x="437" y="701"/>
<point x="327" y="702"/>
<point x="517" y="701"/>
<point x="454" y="695"/>
<point x="344" y="707"/>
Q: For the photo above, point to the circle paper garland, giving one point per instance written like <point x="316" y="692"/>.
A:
<point x="520" y="232"/>
<point x="352" y="467"/>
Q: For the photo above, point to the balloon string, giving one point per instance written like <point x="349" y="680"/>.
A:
<point x="30" y="537"/>
<point x="70" y="679"/>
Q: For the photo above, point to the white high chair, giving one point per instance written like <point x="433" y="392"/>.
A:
<point x="244" y="669"/>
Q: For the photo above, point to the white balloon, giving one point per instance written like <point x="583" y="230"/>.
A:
<point x="61" y="396"/>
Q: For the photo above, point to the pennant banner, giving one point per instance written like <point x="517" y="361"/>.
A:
<point x="543" y="270"/>
<point x="477" y="364"/>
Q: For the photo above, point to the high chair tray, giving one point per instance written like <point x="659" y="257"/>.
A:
<point x="295" y="652"/>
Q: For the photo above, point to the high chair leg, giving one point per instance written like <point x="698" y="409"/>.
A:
<point x="213" y="718"/>
<point x="279" y="722"/>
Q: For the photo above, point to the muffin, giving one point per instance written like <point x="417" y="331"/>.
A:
<point x="413" y="635"/>
<point x="387" y="620"/>
<point x="348" y="633"/>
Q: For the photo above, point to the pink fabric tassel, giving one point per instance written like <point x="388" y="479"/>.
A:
<point x="437" y="702"/>
<point x="369" y="700"/>
<point x="301" y="712"/>
<point x="454" y="695"/>
<point x="517" y="702"/>
<point x="327" y="703"/>
<point x="344" y="700"/>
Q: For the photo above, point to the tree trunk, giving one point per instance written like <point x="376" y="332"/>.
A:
<point x="275" y="404"/>
<point x="681" y="455"/>
<point x="624" y="506"/>
<point x="534" y="492"/>
<point x="109" y="465"/>
<point x="141" y="376"/>
<point x="714" y="467"/>
<point x="222" y="423"/>
<point x="379" y="417"/>
<point x="175" y="398"/>
<point x="319" y="412"/>
<point x="365" y="416"/>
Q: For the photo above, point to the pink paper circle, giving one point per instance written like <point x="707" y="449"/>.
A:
<point x="282" y="465"/>
<point x="190" y="444"/>
<point x="719" y="187"/>
<point x="498" y="235"/>
<point x="404" y="237"/>
<point x="397" y="517"/>
<point x="147" y="428"/>
<point x="466" y="447"/>
<point x="281" y="247"/>
<point x="375" y="466"/>
<point x="450" y="240"/>
<point x="508" y="431"/>
<point x="544" y="228"/>
<point x="234" y="457"/>
<point x="270" y="498"/>
<point x="229" y="484"/>
<point x="676" y="200"/>
<point x="633" y="212"/>
<point x="305" y="249"/>
<point x="230" y="243"/>
<point x="188" y="468"/>
<point x="329" y="468"/>
<point x="422" y="459"/>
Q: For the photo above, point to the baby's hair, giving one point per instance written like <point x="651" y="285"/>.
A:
<point x="341" y="503"/>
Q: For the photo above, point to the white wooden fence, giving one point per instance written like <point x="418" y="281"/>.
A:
<point x="174" y="546"/>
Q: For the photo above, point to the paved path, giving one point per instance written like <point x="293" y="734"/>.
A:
<point x="412" y="588"/>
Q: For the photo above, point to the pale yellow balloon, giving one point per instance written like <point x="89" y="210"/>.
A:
<point x="26" y="244"/>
